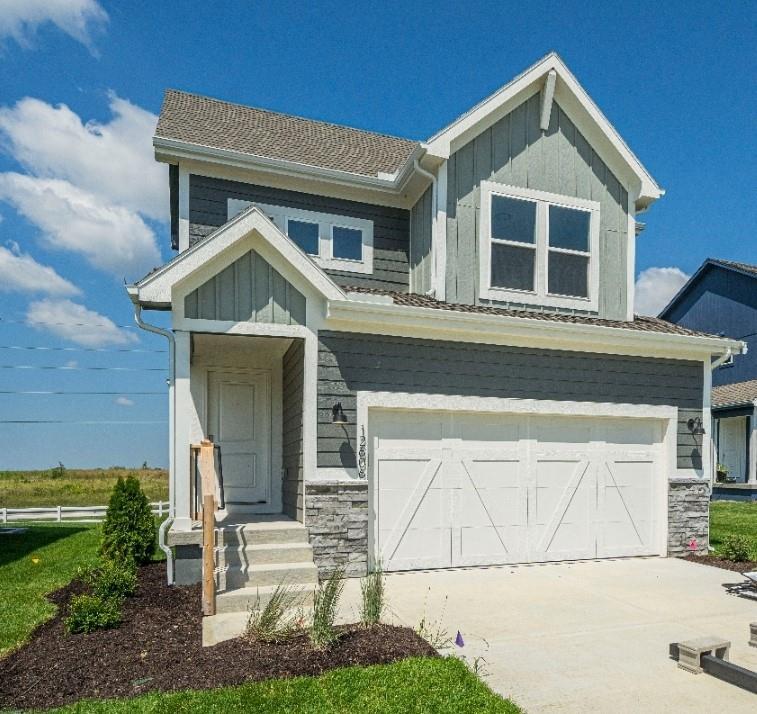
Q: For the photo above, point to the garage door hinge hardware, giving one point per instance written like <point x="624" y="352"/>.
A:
<point x="362" y="461"/>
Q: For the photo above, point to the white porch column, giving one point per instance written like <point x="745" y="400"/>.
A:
<point x="182" y="433"/>
<point x="708" y="441"/>
<point x="752" y="448"/>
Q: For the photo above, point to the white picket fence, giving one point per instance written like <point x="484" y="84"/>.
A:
<point x="67" y="513"/>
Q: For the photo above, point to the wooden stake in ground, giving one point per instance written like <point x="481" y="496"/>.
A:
<point x="208" y="555"/>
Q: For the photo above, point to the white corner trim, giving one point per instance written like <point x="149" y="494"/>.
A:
<point x="440" y="234"/>
<point x="157" y="287"/>
<point x="540" y="295"/>
<point x="183" y="207"/>
<point x="585" y="111"/>
<point x="631" y="257"/>
<point x="281" y="215"/>
<point x="547" y="96"/>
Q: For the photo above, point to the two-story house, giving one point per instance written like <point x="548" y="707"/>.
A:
<point x="422" y="354"/>
<point x="721" y="298"/>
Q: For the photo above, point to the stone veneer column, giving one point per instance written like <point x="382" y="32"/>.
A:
<point x="688" y="516"/>
<point x="336" y="515"/>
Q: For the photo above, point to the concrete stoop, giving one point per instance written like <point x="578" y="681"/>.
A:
<point x="253" y="559"/>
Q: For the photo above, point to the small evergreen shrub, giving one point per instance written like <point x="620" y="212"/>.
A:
<point x="274" y="622"/>
<point x="114" y="579"/>
<point x="372" y="597"/>
<point x="322" y="631"/>
<point x="736" y="548"/>
<point x="87" y="613"/>
<point x="129" y="527"/>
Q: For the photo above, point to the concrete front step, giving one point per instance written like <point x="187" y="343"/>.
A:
<point x="261" y="554"/>
<point x="242" y="600"/>
<point x="304" y="573"/>
<point x="262" y="533"/>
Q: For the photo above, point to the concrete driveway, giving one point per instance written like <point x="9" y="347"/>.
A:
<point x="584" y="637"/>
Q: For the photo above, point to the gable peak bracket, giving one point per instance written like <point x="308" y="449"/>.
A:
<point x="547" y="98"/>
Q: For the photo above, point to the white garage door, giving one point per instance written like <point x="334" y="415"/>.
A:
<point x="454" y="489"/>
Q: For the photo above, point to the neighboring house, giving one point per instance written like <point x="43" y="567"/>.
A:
<point x="423" y="354"/>
<point x="721" y="298"/>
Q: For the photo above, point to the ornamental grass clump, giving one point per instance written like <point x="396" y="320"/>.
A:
<point x="129" y="527"/>
<point x="372" y="597"/>
<point x="737" y="548"/>
<point x="322" y="631"/>
<point x="278" y="620"/>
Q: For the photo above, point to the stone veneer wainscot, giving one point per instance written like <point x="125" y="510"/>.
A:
<point x="688" y="516"/>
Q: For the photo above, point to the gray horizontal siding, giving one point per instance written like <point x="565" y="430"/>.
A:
<point x="293" y="379"/>
<point x="248" y="290"/>
<point x="348" y="363"/>
<point x="515" y="151"/>
<point x="421" y="259"/>
<point x="208" y="209"/>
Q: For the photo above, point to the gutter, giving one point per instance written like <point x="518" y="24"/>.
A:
<point x="172" y="452"/>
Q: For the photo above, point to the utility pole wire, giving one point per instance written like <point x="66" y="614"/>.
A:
<point x="74" y="368"/>
<point x="33" y="323"/>
<point x="79" y="349"/>
<point x="35" y="392"/>
<point x="64" y="421"/>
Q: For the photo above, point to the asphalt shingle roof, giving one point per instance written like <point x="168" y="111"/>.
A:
<point x="233" y="127"/>
<point x="733" y="394"/>
<point x="744" y="267"/>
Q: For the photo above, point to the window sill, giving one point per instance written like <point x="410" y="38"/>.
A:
<point x="531" y="298"/>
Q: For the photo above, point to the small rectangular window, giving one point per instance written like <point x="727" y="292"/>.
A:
<point x="513" y="220"/>
<point x="304" y="234"/>
<point x="568" y="274"/>
<point x="569" y="228"/>
<point x="347" y="243"/>
<point x="512" y="267"/>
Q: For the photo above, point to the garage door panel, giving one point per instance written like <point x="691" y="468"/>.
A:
<point x="488" y="546"/>
<point x="422" y="548"/>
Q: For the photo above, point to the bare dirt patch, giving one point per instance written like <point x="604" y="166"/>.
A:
<point x="158" y="647"/>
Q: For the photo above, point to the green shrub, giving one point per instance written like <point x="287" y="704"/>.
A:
<point x="114" y="579"/>
<point x="87" y="613"/>
<point x="372" y="600"/>
<point x="278" y="620"/>
<point x="736" y="548"/>
<point x="129" y="527"/>
<point x="322" y="631"/>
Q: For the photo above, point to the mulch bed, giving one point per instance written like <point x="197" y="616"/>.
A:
<point x="746" y="566"/>
<point x="159" y="647"/>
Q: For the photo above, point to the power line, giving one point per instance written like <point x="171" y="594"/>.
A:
<point x="33" y="323"/>
<point x="79" y="349"/>
<point x="77" y="368"/>
<point x="35" y="392"/>
<point x="65" y="421"/>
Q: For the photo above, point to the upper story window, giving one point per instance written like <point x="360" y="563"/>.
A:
<point x="333" y="241"/>
<point x="538" y="248"/>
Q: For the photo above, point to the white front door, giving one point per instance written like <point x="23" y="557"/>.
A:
<point x="732" y="446"/>
<point x="455" y="489"/>
<point x="239" y="421"/>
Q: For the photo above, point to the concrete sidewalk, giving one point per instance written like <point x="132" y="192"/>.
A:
<point x="584" y="637"/>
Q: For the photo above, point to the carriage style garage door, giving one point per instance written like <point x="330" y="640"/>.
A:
<point x="455" y="489"/>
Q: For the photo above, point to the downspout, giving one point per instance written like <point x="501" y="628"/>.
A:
<point x="722" y="359"/>
<point x="434" y="191"/>
<point x="172" y="440"/>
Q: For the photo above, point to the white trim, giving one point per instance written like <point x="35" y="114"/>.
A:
<point x="547" y="97"/>
<point x="541" y="247"/>
<point x="182" y="433"/>
<point x="157" y="287"/>
<point x="326" y="222"/>
<point x="573" y="99"/>
<point x="439" y="237"/>
<point x="631" y="257"/>
<point x="708" y="453"/>
<point x="183" y="207"/>
<point x="437" y="402"/>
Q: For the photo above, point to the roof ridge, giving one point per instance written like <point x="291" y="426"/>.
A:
<point x="291" y="116"/>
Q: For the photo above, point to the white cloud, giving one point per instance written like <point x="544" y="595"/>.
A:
<point x="109" y="236"/>
<point x="20" y="19"/>
<point x="655" y="287"/>
<point x="76" y="323"/>
<point x="113" y="161"/>
<point x="124" y="402"/>
<point x="20" y="272"/>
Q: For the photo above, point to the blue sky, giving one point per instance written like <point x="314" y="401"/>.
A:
<point x="83" y="205"/>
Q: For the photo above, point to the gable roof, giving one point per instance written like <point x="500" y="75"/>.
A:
<point x="194" y="123"/>
<point x="207" y="122"/>
<point x="154" y="290"/>
<point x="742" y="268"/>
<point x="737" y="394"/>
<point x="552" y="74"/>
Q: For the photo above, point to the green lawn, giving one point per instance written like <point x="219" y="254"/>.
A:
<point x="58" y="549"/>
<point x="74" y="487"/>
<point x="413" y="685"/>
<point x="733" y="518"/>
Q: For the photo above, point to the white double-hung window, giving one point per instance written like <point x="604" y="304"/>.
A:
<point x="538" y="248"/>
<point x="333" y="241"/>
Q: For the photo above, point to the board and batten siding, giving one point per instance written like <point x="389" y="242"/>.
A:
<point x="208" y="209"/>
<point x="292" y="410"/>
<point x="514" y="151"/>
<point x="248" y="290"/>
<point x="421" y="257"/>
<point x="348" y="363"/>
